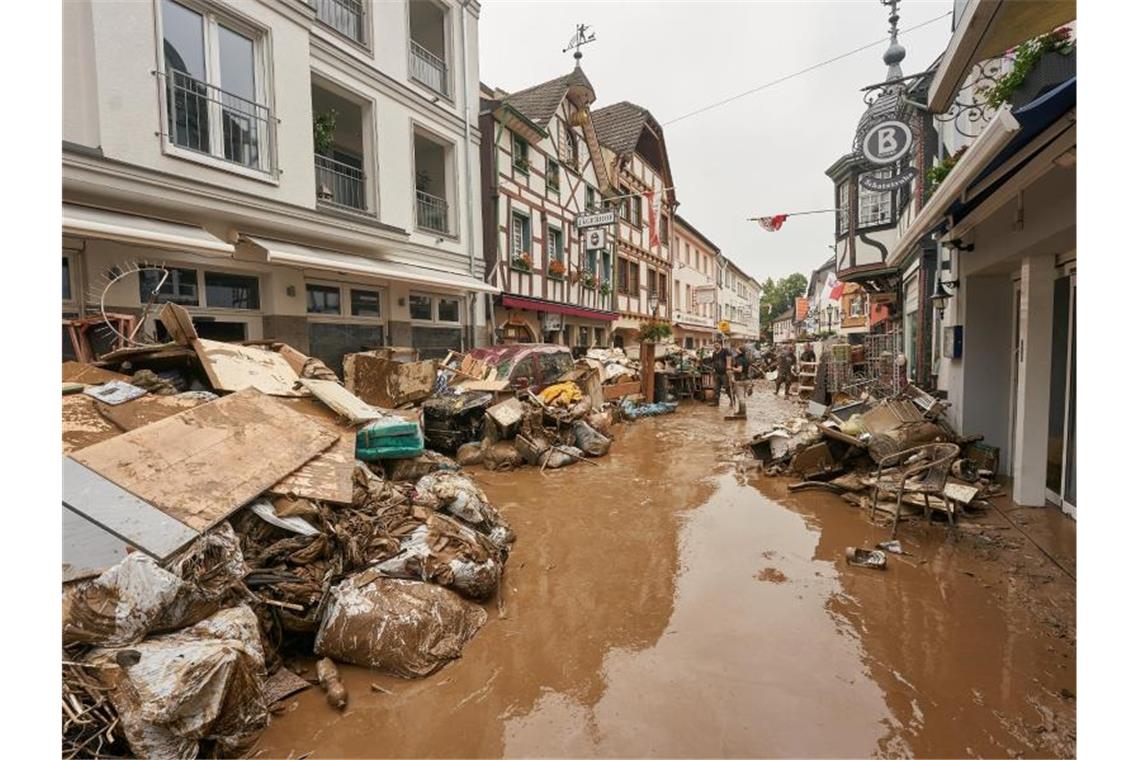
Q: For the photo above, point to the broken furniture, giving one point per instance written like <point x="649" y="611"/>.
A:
<point x="925" y="471"/>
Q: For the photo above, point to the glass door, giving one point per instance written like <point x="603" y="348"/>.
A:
<point x="1060" y="473"/>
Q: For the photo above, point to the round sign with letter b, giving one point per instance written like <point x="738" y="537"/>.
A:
<point x="886" y="142"/>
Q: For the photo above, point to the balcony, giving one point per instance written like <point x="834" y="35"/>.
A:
<point x="427" y="68"/>
<point x="431" y="212"/>
<point x="208" y="120"/>
<point x="344" y="16"/>
<point x="340" y="184"/>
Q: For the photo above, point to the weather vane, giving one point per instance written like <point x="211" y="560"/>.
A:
<point x="579" y="39"/>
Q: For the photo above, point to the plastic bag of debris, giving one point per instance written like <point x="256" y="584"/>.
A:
<point x="601" y="421"/>
<point x="404" y="628"/>
<point x="137" y="597"/>
<point x="470" y="454"/>
<point x="632" y="410"/>
<point x="416" y="467"/>
<point x="204" y="684"/>
<point x="445" y="551"/>
<point x="502" y="456"/>
<point x="457" y="495"/>
<point x="589" y="440"/>
<point x="561" y="456"/>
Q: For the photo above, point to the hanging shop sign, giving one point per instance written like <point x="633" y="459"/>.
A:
<point x="880" y="184"/>
<point x="887" y="142"/>
<point x="724" y="327"/>
<point x="600" y="219"/>
<point x="551" y="322"/>
<point x="595" y="239"/>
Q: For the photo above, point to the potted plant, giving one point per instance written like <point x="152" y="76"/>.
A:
<point x="941" y="170"/>
<point x="557" y="269"/>
<point x="588" y="280"/>
<point x="522" y="261"/>
<point x="654" y="331"/>
<point x="1038" y="64"/>
<point x="324" y="126"/>
<point x="604" y="288"/>
<point x="522" y="164"/>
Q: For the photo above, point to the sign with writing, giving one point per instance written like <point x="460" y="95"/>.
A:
<point x="600" y="219"/>
<point x="551" y="322"/>
<point x="879" y="184"/>
<point x="704" y="295"/>
<point x="887" y="142"/>
<point x="724" y="327"/>
<point x="595" y="239"/>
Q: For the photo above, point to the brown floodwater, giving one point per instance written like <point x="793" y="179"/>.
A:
<point x="673" y="601"/>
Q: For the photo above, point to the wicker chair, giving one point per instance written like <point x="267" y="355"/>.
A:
<point x="927" y="476"/>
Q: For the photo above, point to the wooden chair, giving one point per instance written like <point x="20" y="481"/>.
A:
<point x="926" y="476"/>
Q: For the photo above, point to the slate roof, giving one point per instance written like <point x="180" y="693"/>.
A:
<point x="540" y="102"/>
<point x="618" y="126"/>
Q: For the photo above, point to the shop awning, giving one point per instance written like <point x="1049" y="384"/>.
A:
<point x="84" y="221"/>
<point x="291" y="254"/>
<point x="537" y="304"/>
<point x="993" y="139"/>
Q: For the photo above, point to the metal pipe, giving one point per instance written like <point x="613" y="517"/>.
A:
<point x="467" y="136"/>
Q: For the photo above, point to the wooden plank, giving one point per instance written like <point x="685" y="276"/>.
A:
<point x="89" y="374"/>
<point x="343" y="402"/>
<point x="617" y="390"/>
<point x="960" y="492"/>
<point x="83" y="425"/>
<point x="203" y="464"/>
<point x="233" y="367"/>
<point x="484" y="385"/>
<point x="121" y="513"/>
<point x="143" y="411"/>
<point x="327" y="476"/>
<point x="178" y="323"/>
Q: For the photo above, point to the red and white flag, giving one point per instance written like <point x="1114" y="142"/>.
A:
<point x="772" y="223"/>
<point x="654" y="240"/>
<point x="834" y="287"/>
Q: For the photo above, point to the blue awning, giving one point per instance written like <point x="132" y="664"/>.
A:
<point x="1035" y="117"/>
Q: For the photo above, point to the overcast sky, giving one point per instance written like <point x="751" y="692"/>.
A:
<point x="760" y="155"/>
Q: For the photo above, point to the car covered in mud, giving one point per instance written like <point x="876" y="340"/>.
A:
<point x="526" y="365"/>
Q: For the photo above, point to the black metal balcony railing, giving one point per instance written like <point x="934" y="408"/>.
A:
<point x="345" y="16"/>
<point x="431" y="212"/>
<point x="339" y="184"/>
<point x="427" y="68"/>
<point x="209" y="120"/>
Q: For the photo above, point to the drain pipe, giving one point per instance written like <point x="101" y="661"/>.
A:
<point x="471" y="186"/>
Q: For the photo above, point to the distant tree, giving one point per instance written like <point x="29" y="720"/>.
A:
<point x="778" y="296"/>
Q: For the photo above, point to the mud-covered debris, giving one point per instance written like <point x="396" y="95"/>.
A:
<point x="872" y="558"/>
<point x="329" y="678"/>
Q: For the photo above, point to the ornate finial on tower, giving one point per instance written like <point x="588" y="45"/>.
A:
<point x="579" y="39"/>
<point x="895" y="52"/>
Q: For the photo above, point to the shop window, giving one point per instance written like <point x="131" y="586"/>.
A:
<point x="66" y="279"/>
<point x="448" y="310"/>
<point x="364" y="303"/>
<point x="180" y="286"/>
<point x="226" y="332"/>
<point x="232" y="291"/>
<point x="330" y="341"/>
<point x="599" y="336"/>
<point x="435" y="342"/>
<point x="421" y="307"/>
<point x="323" y="299"/>
<point x="583" y="336"/>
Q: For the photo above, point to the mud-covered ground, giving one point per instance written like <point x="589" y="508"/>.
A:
<point x="674" y="601"/>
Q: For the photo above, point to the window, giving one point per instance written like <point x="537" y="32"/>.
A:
<point x="843" y="207"/>
<point x="420" y="306"/>
<point x="599" y="336"/>
<point x="634" y="278"/>
<point x="875" y="206"/>
<point x="323" y="299"/>
<point x="345" y="16"/>
<point x="688" y="298"/>
<point x="212" y="88"/>
<point x="520" y="235"/>
<point x="583" y="336"/>
<point x="591" y="198"/>
<point x="232" y="291"/>
<point x="554" y="244"/>
<point x="180" y="287"/>
<point x="623" y="206"/>
<point x="622" y="275"/>
<point x="635" y="210"/>
<point x="662" y="286"/>
<point x="520" y="152"/>
<point x="448" y="310"/>
<point x="663" y="232"/>
<point x="552" y="175"/>
<point x="66" y="279"/>
<point x="592" y="262"/>
<point x="364" y="303"/>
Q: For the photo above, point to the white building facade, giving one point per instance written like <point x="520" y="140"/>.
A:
<point x="304" y="172"/>
<point x="738" y="302"/>
<point x="694" y="286"/>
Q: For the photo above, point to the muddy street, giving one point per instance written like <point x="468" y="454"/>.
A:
<point x="673" y="601"/>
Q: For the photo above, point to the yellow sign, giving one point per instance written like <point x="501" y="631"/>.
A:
<point x="723" y="326"/>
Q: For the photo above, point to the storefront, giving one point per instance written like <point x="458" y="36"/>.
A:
<point x="534" y="320"/>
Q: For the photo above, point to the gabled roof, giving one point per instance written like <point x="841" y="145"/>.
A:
<point x="619" y="127"/>
<point x="697" y="233"/>
<point x="540" y="103"/>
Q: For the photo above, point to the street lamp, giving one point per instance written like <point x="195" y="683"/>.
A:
<point x="654" y="302"/>
<point x="940" y="294"/>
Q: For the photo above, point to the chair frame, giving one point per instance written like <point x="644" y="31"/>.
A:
<point x="923" y="468"/>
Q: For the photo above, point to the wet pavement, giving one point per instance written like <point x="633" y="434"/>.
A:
<point x="673" y="601"/>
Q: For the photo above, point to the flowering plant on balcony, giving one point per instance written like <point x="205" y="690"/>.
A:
<point x="588" y="279"/>
<point x="942" y="169"/>
<point x="1025" y="58"/>
<point x="522" y="261"/>
<point x="557" y="269"/>
<point x="604" y="288"/>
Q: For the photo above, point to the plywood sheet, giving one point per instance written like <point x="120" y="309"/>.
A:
<point x="83" y="425"/>
<point x="178" y="323"/>
<point x="327" y="476"/>
<point x="386" y="383"/>
<point x="201" y="465"/>
<point x="343" y="402"/>
<point x="233" y="367"/>
<point x="89" y="374"/>
<point x="143" y="411"/>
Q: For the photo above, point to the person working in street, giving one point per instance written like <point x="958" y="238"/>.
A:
<point x="740" y="385"/>
<point x="785" y="367"/>
<point x="720" y="362"/>
<point x="808" y="354"/>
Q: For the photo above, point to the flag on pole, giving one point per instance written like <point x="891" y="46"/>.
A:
<point x="773" y="223"/>
<point x="834" y="287"/>
<point x="654" y="240"/>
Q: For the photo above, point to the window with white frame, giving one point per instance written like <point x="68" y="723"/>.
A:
<point x="364" y="303"/>
<point x="427" y="307"/>
<point x="843" y="207"/>
<point x="67" y="287"/>
<point x="215" y="100"/>
<point x="554" y="244"/>
<point x="322" y="299"/>
<point x="520" y="236"/>
<point x="180" y="286"/>
<point x="875" y="205"/>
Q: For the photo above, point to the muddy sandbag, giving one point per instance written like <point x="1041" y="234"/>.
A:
<point x="404" y="628"/>
<point x="469" y="454"/>
<point x="589" y="440"/>
<point x="502" y="456"/>
<point x="457" y="495"/>
<point x="415" y="468"/>
<point x="445" y="551"/>
<point x="561" y="456"/>
<point x="601" y="421"/>
<point x="121" y="606"/>
<point x="198" y="691"/>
